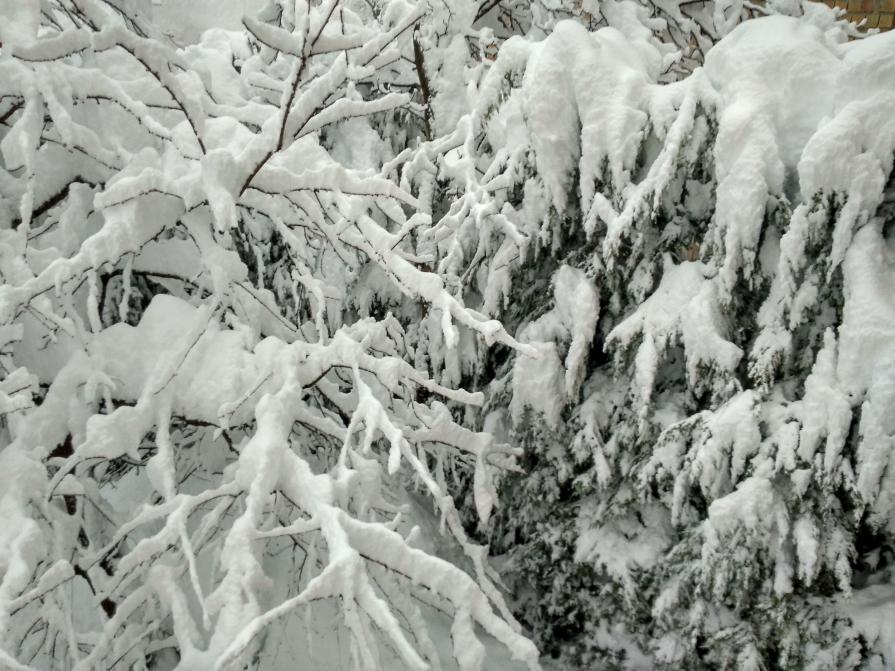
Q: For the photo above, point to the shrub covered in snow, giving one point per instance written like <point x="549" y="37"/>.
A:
<point x="302" y="323"/>
<point x="211" y="420"/>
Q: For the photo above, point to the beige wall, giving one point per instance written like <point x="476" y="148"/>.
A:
<point x="879" y="13"/>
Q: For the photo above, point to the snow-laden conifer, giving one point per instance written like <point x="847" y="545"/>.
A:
<point x="702" y="266"/>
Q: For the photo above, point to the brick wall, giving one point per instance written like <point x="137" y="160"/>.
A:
<point x="879" y="13"/>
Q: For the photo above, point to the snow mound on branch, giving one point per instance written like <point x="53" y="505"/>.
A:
<point x="682" y="309"/>
<point x="791" y="97"/>
<point x="626" y="544"/>
<point x="867" y="365"/>
<point x="780" y="65"/>
<point x="216" y="369"/>
<point x="583" y="94"/>
<point x="754" y="505"/>
<point x="775" y="85"/>
<point x="544" y="383"/>
<point x="872" y="611"/>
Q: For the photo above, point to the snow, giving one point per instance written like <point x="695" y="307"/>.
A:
<point x="212" y="366"/>
<point x="682" y="309"/>
<point x="806" y="534"/>
<point x="872" y="610"/>
<point x="542" y="382"/>
<point x="250" y="279"/>
<point x="826" y="409"/>
<point x="867" y="359"/>
<point x="753" y="505"/>
<point x="191" y="360"/>
<point x="623" y="546"/>
<point x="201" y="370"/>
<point x="19" y="22"/>
<point x="780" y="66"/>
<point x="597" y="100"/>
<point x="186" y="20"/>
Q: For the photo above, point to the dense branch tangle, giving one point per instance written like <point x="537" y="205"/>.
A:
<point x="186" y="399"/>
